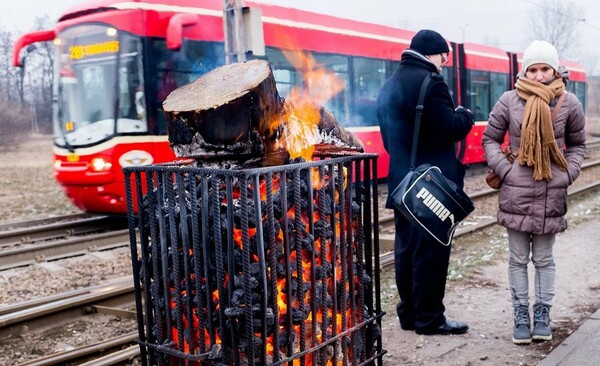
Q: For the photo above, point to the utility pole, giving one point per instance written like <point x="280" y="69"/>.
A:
<point x="233" y="28"/>
<point x="464" y="29"/>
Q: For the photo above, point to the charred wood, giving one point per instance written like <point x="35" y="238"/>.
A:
<point x="225" y="112"/>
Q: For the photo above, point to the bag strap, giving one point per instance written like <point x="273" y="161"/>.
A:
<point x="419" y="112"/>
<point x="558" y="104"/>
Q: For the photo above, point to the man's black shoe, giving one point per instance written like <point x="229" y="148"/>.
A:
<point x="449" y="327"/>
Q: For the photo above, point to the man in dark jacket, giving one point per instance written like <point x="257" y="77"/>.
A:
<point x="421" y="263"/>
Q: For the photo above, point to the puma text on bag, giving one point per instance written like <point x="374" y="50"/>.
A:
<point x="431" y="202"/>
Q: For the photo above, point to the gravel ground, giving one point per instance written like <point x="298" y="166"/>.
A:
<point x="28" y="190"/>
<point x="476" y="291"/>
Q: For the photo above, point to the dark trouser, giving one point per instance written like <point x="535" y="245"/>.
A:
<point x="421" y="270"/>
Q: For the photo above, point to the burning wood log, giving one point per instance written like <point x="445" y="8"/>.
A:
<point x="221" y="112"/>
<point x="235" y="111"/>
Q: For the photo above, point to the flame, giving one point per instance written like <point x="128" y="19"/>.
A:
<point x="301" y="133"/>
<point x="302" y="111"/>
<point x="320" y="84"/>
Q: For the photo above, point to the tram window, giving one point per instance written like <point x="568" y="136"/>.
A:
<point x="127" y="90"/>
<point x="484" y="89"/>
<point x="395" y="66"/>
<point x="96" y="79"/>
<point x="285" y="75"/>
<point x="577" y="88"/>
<point x="478" y="93"/>
<point x="339" y="103"/>
<point x="499" y="84"/>
<point x="200" y="57"/>
<point x="369" y="76"/>
<point x="283" y="79"/>
<point x="131" y="101"/>
<point x="171" y="69"/>
<point x="177" y="68"/>
<point x="448" y="74"/>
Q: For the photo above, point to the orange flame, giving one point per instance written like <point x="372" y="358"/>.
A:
<point x="320" y="84"/>
<point x="302" y="111"/>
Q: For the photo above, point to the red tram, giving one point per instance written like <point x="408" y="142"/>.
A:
<point x="116" y="61"/>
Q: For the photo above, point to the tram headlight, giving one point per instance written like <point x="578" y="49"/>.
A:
<point x="99" y="165"/>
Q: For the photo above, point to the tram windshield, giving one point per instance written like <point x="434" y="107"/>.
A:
<point x="98" y="86"/>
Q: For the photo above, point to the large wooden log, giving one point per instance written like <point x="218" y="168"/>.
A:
<point x="226" y="112"/>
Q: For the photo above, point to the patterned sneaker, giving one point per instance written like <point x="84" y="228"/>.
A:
<point x="541" y="323"/>
<point x="521" y="333"/>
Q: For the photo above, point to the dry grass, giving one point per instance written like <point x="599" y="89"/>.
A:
<point x="14" y="122"/>
<point x="28" y="190"/>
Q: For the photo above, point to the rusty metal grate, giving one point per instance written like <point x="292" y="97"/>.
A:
<point x="265" y="266"/>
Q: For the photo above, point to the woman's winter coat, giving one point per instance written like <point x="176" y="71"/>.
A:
<point x="527" y="205"/>
<point x="441" y="125"/>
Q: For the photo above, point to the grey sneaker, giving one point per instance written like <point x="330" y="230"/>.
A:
<point x="541" y="323"/>
<point x="521" y="334"/>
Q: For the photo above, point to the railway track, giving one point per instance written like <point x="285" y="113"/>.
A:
<point x="29" y="232"/>
<point x="113" y="351"/>
<point x="116" y="297"/>
<point x="45" y="240"/>
<point x="113" y="298"/>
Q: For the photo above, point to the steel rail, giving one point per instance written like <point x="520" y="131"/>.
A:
<point x="117" y="293"/>
<point x="46" y="231"/>
<point x="115" y="358"/>
<point x="88" y="352"/>
<point x="44" y="221"/>
<point x="63" y="249"/>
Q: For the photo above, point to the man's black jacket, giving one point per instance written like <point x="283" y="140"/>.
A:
<point x="441" y="125"/>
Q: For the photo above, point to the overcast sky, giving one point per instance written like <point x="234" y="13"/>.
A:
<point x="501" y="23"/>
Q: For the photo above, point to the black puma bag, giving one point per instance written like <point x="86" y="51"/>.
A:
<point x="431" y="202"/>
<point x="426" y="198"/>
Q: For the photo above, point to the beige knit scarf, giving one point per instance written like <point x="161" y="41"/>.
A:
<point x="538" y="144"/>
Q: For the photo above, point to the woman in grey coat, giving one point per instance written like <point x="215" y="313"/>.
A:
<point x="533" y="197"/>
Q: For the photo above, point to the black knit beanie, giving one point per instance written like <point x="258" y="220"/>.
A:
<point x="428" y="42"/>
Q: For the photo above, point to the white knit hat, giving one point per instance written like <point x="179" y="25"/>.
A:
<point x="540" y="52"/>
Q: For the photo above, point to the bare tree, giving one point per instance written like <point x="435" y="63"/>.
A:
<point x="556" y="21"/>
<point x="38" y="79"/>
<point x="10" y="78"/>
<point x="591" y="63"/>
<point x="35" y="79"/>
<point x="12" y="116"/>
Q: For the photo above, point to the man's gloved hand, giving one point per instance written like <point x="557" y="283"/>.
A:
<point x="466" y="112"/>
